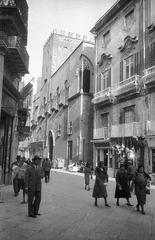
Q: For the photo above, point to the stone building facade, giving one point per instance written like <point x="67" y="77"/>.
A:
<point x="65" y="112"/>
<point x="124" y="95"/>
<point x="13" y="65"/>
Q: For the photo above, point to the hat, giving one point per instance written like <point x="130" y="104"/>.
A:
<point x="36" y="157"/>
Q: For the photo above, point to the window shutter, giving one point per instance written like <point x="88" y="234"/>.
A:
<point x="121" y="116"/>
<point x="121" y="71"/>
<point x="109" y="78"/>
<point x="136" y="63"/>
<point x="153" y="54"/>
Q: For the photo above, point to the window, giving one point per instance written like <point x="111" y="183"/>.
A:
<point x="66" y="92"/>
<point x="129" y="67"/>
<point x="104" y="80"/>
<point x="105" y="119"/>
<point x="127" y="115"/>
<point x="86" y="80"/>
<point x="44" y="102"/>
<point x="98" y="88"/>
<point x="106" y="38"/>
<point x="152" y="54"/>
<point x="152" y="11"/>
<point x="153" y="160"/>
<point x="59" y="130"/>
<point x="129" y="18"/>
<point x="58" y="98"/>
<point x="70" y="151"/>
<point x="105" y="123"/>
<point x="70" y="128"/>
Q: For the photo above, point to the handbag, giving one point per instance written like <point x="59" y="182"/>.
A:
<point x="148" y="187"/>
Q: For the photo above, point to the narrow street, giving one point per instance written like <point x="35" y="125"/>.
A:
<point x="68" y="213"/>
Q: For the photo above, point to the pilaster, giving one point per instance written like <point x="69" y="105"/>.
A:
<point x="2" y="55"/>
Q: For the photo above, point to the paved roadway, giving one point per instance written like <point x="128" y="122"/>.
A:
<point x="68" y="213"/>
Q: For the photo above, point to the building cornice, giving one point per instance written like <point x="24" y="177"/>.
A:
<point x="109" y="15"/>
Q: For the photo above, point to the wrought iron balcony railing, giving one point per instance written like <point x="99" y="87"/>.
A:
<point x="150" y="127"/>
<point x="21" y="5"/>
<point x="15" y="43"/>
<point x="102" y="132"/>
<point x="127" y="130"/>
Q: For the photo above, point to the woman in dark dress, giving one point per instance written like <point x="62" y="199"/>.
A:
<point x="122" y="185"/>
<point x="140" y="181"/>
<point x="100" y="190"/>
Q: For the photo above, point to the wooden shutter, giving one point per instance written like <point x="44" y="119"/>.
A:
<point x="152" y="54"/>
<point x="121" y="71"/>
<point x="121" y="120"/>
<point x="109" y="77"/>
<point x="136" y="64"/>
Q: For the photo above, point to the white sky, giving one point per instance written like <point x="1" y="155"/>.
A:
<point x="76" y="16"/>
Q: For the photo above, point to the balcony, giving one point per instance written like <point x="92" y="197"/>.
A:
<point x="17" y="58"/>
<point x="3" y="40"/>
<point x="149" y="75"/>
<point x="14" y="16"/>
<point x="126" y="130"/>
<point x="150" y="128"/>
<point x="103" y="97"/>
<point x="103" y="132"/>
<point x="128" y="88"/>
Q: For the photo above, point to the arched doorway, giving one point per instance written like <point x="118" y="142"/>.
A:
<point x="51" y="140"/>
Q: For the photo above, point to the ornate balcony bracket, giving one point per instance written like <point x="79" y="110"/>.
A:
<point x="151" y="28"/>
<point x="104" y="57"/>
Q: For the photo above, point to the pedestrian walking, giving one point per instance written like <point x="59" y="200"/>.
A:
<point x="47" y="168"/>
<point x="33" y="176"/>
<point x="87" y="174"/>
<point x="21" y="177"/>
<point x="141" y="180"/>
<point x="122" y="185"/>
<point x="15" y="169"/>
<point x="101" y="181"/>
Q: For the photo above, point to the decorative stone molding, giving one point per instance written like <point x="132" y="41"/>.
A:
<point x="151" y="28"/>
<point x="129" y="44"/>
<point x="104" y="57"/>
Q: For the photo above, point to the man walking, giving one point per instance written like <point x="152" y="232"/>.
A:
<point x="33" y="176"/>
<point x="47" y="167"/>
<point x="15" y="169"/>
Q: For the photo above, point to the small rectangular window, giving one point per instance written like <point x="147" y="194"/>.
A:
<point x="98" y="89"/>
<point x="106" y="38"/>
<point x="129" y="18"/>
<point x="129" y="114"/>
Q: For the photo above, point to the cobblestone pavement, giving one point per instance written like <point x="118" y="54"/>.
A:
<point x="68" y="213"/>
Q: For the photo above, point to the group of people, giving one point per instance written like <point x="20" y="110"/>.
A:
<point x="127" y="179"/>
<point x="27" y="176"/>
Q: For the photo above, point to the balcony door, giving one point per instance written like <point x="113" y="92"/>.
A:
<point x="102" y="155"/>
<point x="153" y="161"/>
<point x="105" y="123"/>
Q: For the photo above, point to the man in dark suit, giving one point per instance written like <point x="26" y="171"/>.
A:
<point x="33" y="176"/>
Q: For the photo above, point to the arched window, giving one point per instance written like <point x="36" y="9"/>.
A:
<point x="84" y="77"/>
